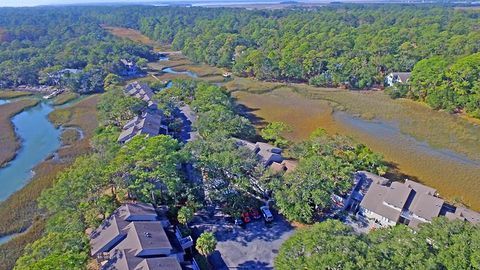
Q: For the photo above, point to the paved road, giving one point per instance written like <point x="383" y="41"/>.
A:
<point x="252" y="247"/>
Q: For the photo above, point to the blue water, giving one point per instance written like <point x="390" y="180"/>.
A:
<point x="3" y="101"/>
<point x="7" y="238"/>
<point x="172" y="71"/>
<point x="390" y="132"/>
<point x="39" y="138"/>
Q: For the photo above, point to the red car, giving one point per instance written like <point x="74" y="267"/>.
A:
<point x="255" y="213"/>
<point x="246" y="217"/>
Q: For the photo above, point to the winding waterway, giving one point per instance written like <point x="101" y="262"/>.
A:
<point x="187" y="72"/>
<point x="39" y="138"/>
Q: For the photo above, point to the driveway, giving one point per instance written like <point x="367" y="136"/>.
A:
<point x="252" y="247"/>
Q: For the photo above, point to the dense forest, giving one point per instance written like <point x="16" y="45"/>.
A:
<point x="39" y="43"/>
<point x="339" y="46"/>
<point x="352" y="46"/>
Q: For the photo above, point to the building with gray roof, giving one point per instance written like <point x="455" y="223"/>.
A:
<point x="135" y="237"/>
<point x="409" y="203"/>
<point x="266" y="153"/>
<point x="126" y="260"/>
<point x="148" y="124"/>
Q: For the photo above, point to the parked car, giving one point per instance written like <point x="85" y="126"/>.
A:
<point x="246" y="217"/>
<point x="267" y="215"/>
<point x="255" y="213"/>
<point x="239" y="222"/>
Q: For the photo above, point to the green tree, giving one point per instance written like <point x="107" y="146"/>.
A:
<point x="150" y="168"/>
<point x="274" y="132"/>
<point x="206" y="244"/>
<point x="325" y="245"/>
<point x="185" y="215"/>
<point x="55" y="251"/>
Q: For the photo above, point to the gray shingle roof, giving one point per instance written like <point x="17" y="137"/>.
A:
<point x="112" y="230"/>
<point x="373" y="201"/>
<point x="107" y="235"/>
<point x="426" y="206"/>
<point x="148" y="124"/>
<point x="147" y="238"/>
<point x="126" y="260"/>
<point x="402" y="76"/>
<point x="397" y="195"/>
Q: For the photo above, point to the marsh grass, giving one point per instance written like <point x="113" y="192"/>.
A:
<point x="10" y="251"/>
<point x="69" y="136"/>
<point x="64" y="97"/>
<point x="9" y="94"/>
<point x="20" y="212"/>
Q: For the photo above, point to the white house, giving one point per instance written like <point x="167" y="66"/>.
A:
<point x="397" y="77"/>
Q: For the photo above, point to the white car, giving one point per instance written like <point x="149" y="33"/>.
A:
<point x="267" y="215"/>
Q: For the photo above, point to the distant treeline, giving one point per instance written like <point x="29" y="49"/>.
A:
<point x="36" y="43"/>
<point x="351" y="46"/>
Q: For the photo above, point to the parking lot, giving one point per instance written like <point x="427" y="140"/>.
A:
<point x="252" y="247"/>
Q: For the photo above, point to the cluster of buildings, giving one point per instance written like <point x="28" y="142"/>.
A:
<point x="389" y="203"/>
<point x="269" y="155"/>
<point x="149" y="122"/>
<point x="136" y="237"/>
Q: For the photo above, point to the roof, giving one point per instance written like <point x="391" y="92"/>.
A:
<point x="112" y="230"/>
<point x="148" y="123"/>
<point x="143" y="236"/>
<point x="418" y="201"/>
<point x="468" y="215"/>
<point x="137" y="211"/>
<point x="249" y="145"/>
<point x="277" y="167"/>
<point x="265" y="152"/>
<point x="126" y="260"/>
<point x="373" y="201"/>
<point x="426" y="206"/>
<point x="397" y="195"/>
<point x="419" y="188"/>
<point x="164" y="263"/>
<point x="107" y="235"/>
<point x="403" y="76"/>
<point x="139" y="90"/>
<point x="414" y="222"/>
<point x="290" y="165"/>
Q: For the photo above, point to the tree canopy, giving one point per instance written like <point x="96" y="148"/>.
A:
<point x="442" y="244"/>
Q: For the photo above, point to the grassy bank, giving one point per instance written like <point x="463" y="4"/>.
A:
<point x="10" y="251"/>
<point x="8" y="140"/>
<point x="20" y="210"/>
<point x="64" y="98"/>
<point x="7" y="94"/>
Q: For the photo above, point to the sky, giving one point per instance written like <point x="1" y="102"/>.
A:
<point x="21" y="3"/>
